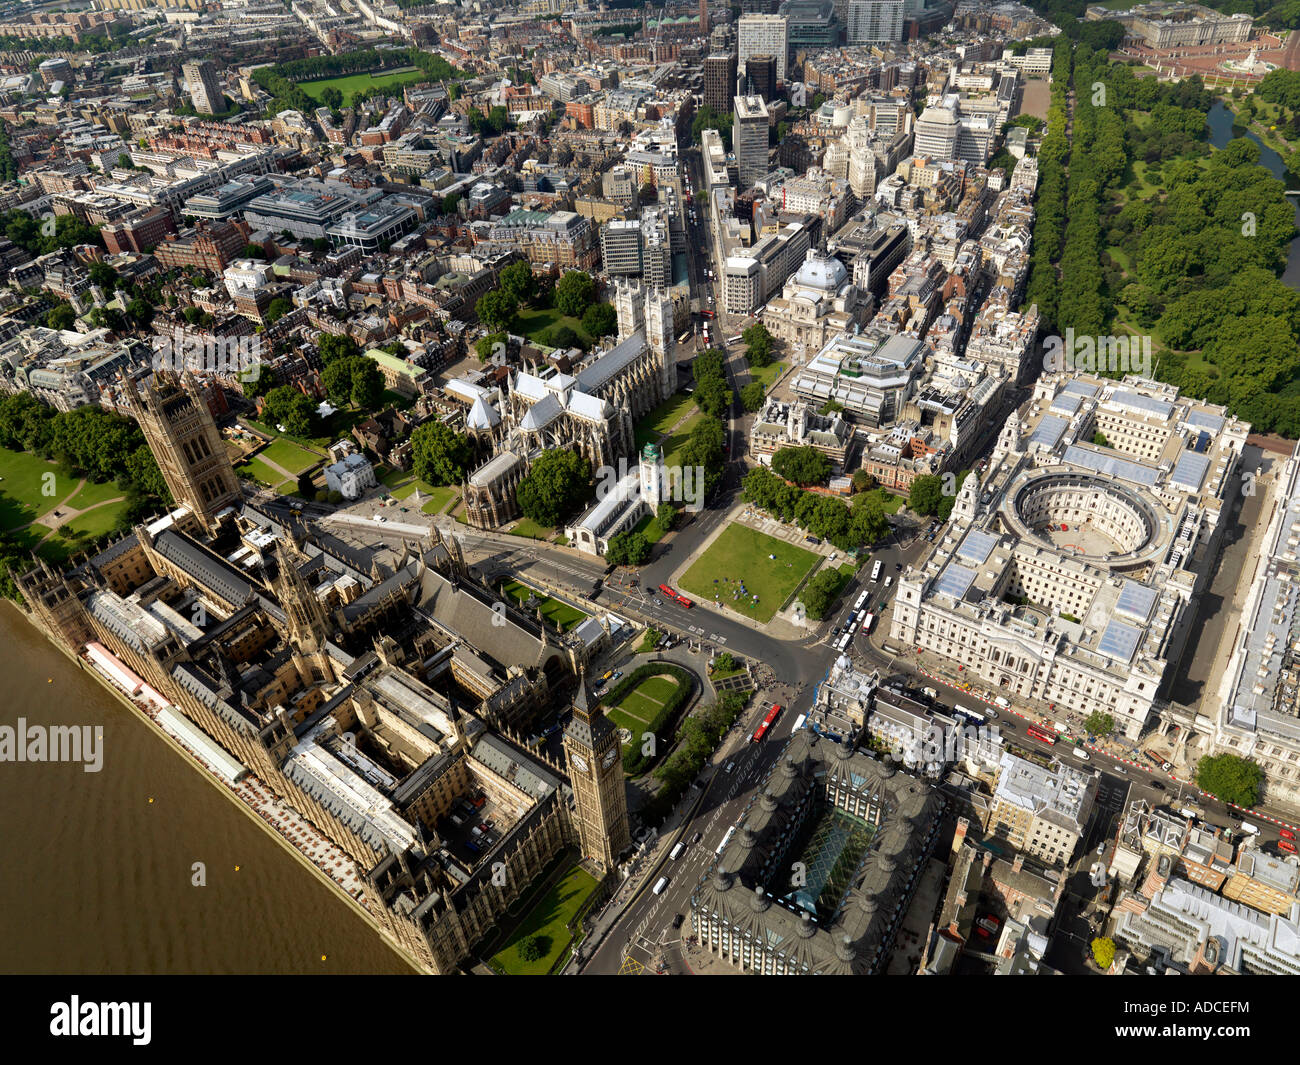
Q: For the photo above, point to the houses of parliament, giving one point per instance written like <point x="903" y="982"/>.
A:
<point x="375" y="699"/>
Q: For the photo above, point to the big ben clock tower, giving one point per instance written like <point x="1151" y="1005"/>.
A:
<point x="596" y="773"/>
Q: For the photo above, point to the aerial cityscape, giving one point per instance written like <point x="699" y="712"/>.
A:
<point x="565" y="488"/>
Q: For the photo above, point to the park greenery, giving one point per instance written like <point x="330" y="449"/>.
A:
<point x="758" y="345"/>
<point x="439" y="454"/>
<point x="282" y="80"/>
<point x="847" y="526"/>
<point x="819" y="594"/>
<point x="1231" y="778"/>
<point x="697" y="738"/>
<point x="628" y="548"/>
<point x="803" y="466"/>
<point x="635" y="760"/>
<point x="356" y="380"/>
<point x="1142" y="229"/>
<point x="713" y="395"/>
<point x="927" y="497"/>
<point x="556" y="486"/>
<point x="1099" y="723"/>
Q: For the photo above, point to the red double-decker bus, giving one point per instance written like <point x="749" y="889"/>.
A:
<point x="1041" y="735"/>
<point x="767" y="723"/>
<point x="667" y="591"/>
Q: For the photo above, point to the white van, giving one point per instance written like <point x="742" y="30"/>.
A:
<point x="676" y="852"/>
<point x="1080" y="753"/>
<point x="1003" y="702"/>
<point x="660" y="884"/>
<point x="1248" y="828"/>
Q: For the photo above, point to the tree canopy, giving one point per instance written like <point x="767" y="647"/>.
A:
<point x="439" y="454"/>
<point x="555" y="487"/>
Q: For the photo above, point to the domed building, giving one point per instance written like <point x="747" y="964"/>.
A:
<point x="819" y="302"/>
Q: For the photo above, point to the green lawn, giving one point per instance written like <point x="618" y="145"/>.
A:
<point x="96" y="522"/>
<point x="263" y="473"/>
<point x="362" y="82"/>
<point x="91" y="494"/>
<point x="532" y="323"/>
<point x="289" y="456"/>
<point x="548" y="919"/>
<point x="890" y="503"/>
<point x="741" y="554"/>
<point x="433" y="499"/>
<point x="638" y="708"/>
<point x="529" y="528"/>
<point x="661" y="420"/>
<point x="671" y="445"/>
<point x="21" y="482"/>
<point x="561" y="614"/>
<point x="767" y="374"/>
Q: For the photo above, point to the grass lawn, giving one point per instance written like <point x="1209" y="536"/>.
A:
<point x="533" y="323"/>
<point x="263" y="473"/>
<point x="96" y="522"/>
<point x="289" y="456"/>
<point x="529" y="528"/>
<point x="90" y="494"/>
<point x="638" y="707"/>
<point x="648" y="641"/>
<point x="767" y="374"/>
<point x="671" y="446"/>
<point x="661" y="420"/>
<point x="21" y="499"/>
<point x="561" y="614"/>
<point x="891" y="503"/>
<point x="433" y="500"/>
<point x="362" y="83"/>
<point x="741" y="554"/>
<point x="548" y="920"/>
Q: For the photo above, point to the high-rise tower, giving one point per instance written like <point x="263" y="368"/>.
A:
<point x="596" y="772"/>
<point x="183" y="437"/>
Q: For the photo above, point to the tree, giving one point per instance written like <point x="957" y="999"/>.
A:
<point x="277" y="309"/>
<point x="863" y="481"/>
<point x="518" y="283"/>
<point x="440" y="455"/>
<point x="533" y="948"/>
<point x="331" y="97"/>
<point x="758" y="342"/>
<point x="450" y="202"/>
<point x="287" y="406"/>
<point x="555" y="487"/>
<point x="926" y="494"/>
<point x="628" y="549"/>
<point x="254" y="251"/>
<point x="333" y="347"/>
<point x="497" y="310"/>
<point x="61" y="317"/>
<point x="1099" y="723"/>
<point x="802" y="465"/>
<point x="493" y="344"/>
<point x="574" y="293"/>
<point x="600" y="320"/>
<point x="1231" y="778"/>
<point x="723" y="662"/>
<point x="1103" y="952"/>
<point x="752" y="396"/>
<point x="666" y="516"/>
<point x="819" y="594"/>
<point x="367" y="384"/>
<point x="561" y="336"/>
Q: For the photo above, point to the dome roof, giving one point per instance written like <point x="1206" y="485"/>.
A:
<point x="822" y="272"/>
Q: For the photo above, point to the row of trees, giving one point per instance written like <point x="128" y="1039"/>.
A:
<point x="819" y="594"/>
<point x="847" y="526"/>
<point x="697" y="738"/>
<point x="713" y="395"/>
<point x="803" y="465"/>
<point x="41" y="236"/>
<point x="281" y="80"/>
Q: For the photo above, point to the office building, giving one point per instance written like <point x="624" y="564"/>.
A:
<point x="760" y="77"/>
<point x="874" y="21"/>
<point x="720" y="81"/>
<point x="749" y="139"/>
<point x="762" y="35"/>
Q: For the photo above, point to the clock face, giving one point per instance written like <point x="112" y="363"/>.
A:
<point x="610" y="755"/>
<point x="579" y="763"/>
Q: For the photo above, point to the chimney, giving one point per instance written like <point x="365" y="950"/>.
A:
<point x="959" y="836"/>
<point x="1018" y="864"/>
